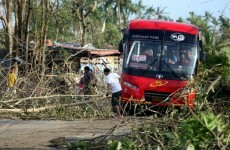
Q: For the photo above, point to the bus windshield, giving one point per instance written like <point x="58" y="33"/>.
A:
<point x="153" y="56"/>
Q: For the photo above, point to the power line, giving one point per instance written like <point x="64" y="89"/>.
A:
<point x="206" y="2"/>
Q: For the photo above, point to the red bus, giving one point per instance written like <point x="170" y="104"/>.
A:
<point x="159" y="58"/>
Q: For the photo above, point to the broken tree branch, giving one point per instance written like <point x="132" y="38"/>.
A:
<point x="43" y="108"/>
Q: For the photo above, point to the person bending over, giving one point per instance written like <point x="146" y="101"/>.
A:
<point x="113" y="83"/>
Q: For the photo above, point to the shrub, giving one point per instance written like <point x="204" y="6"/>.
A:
<point x="205" y="131"/>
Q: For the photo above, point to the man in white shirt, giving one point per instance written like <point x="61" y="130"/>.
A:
<point x="113" y="83"/>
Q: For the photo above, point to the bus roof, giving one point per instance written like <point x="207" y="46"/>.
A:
<point x="163" y="25"/>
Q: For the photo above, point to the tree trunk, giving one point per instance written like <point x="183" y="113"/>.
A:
<point x="62" y="32"/>
<point x="56" y="31"/>
<point x="119" y="11"/>
<point x="42" y="24"/>
<point x="27" y="34"/>
<point x="19" y="30"/>
<point x="15" y="39"/>
<point x="83" y="27"/>
<point x="45" y="30"/>
<point x="57" y="22"/>
<point x="36" y="55"/>
<point x="83" y="16"/>
<point x="9" y="28"/>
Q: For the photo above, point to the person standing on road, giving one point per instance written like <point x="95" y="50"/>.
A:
<point x="113" y="84"/>
<point x="12" y="78"/>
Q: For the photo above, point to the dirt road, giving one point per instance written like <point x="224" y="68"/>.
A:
<point x="36" y="134"/>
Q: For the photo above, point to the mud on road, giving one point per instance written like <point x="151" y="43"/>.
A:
<point x="37" y="134"/>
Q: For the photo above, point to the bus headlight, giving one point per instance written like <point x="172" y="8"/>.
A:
<point x="131" y="85"/>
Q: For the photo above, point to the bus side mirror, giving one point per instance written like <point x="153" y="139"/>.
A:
<point x="202" y="55"/>
<point x="121" y="46"/>
<point x="200" y="44"/>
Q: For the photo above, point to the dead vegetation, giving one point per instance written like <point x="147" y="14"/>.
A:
<point x="47" y="95"/>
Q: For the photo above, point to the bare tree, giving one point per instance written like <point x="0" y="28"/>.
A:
<point x="19" y="19"/>
<point x="30" y="7"/>
<point x="82" y="11"/>
<point x="46" y="15"/>
<point x="6" y="7"/>
<point x="57" y="17"/>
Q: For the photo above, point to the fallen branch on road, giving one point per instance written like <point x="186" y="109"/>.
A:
<point x="43" y="108"/>
<point x="45" y="97"/>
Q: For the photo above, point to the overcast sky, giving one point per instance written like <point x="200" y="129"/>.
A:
<point x="181" y="8"/>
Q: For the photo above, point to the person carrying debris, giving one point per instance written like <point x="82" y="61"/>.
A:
<point x="88" y="81"/>
<point x="12" y="78"/>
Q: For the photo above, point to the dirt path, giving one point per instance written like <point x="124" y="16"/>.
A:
<point x="36" y="134"/>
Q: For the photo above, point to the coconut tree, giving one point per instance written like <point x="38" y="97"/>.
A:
<point x="208" y="16"/>
<point x="182" y="20"/>
<point x="224" y="27"/>
<point x="149" y="13"/>
<point x="140" y="10"/>
<point x="192" y="18"/>
<point x="160" y="14"/>
<point x="205" y="29"/>
<point x="120" y="8"/>
<point x="129" y="9"/>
